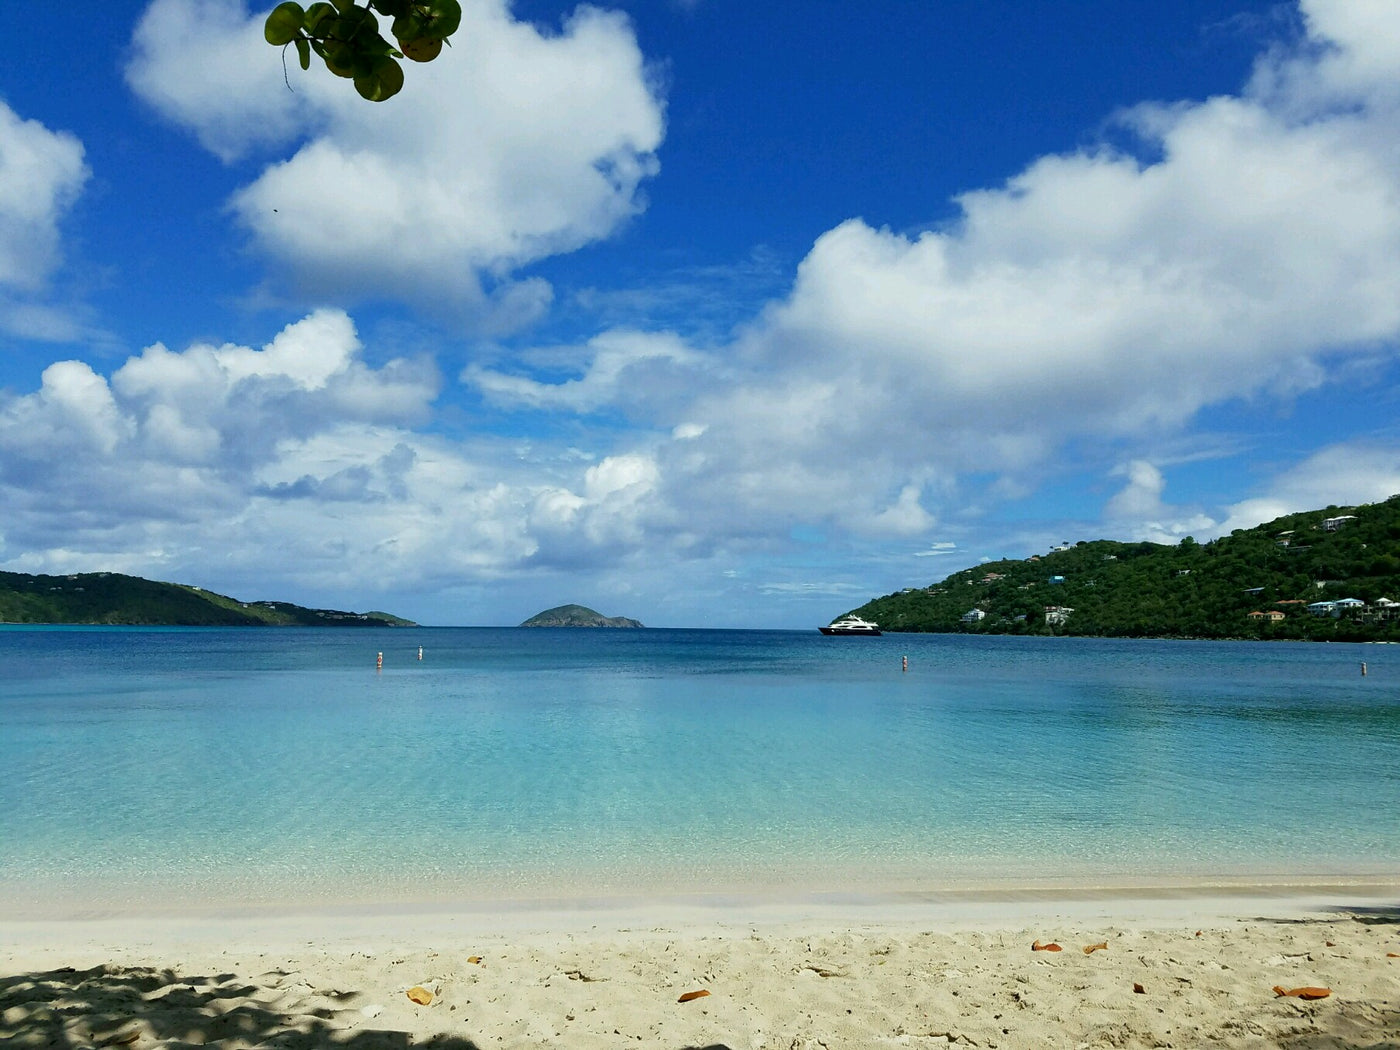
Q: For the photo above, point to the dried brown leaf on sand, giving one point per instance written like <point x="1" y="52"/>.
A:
<point x="1302" y="993"/>
<point x="1051" y="947"/>
<point x="688" y="996"/>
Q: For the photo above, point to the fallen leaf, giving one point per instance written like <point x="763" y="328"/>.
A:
<point x="420" y="995"/>
<point x="1198" y="933"/>
<point x="474" y="959"/>
<point x="688" y="996"/>
<point x="1051" y="947"/>
<point x="1330" y="944"/>
<point x="125" y="1038"/>
<point x="1090" y="949"/>
<point x="1392" y="955"/>
<point x="1303" y="993"/>
<point x="1139" y="989"/>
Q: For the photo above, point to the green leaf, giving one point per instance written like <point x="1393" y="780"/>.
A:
<point x="304" y="51"/>
<point x="424" y="49"/>
<point x="315" y="13"/>
<point x="444" y="17"/>
<point x="355" y="22"/>
<point x="409" y="26"/>
<point x="342" y="5"/>
<point x="339" y="58"/>
<point x="390" y="8"/>
<point x="283" y="24"/>
<point x="383" y="81"/>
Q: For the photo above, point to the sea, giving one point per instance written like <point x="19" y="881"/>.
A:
<point x="329" y="765"/>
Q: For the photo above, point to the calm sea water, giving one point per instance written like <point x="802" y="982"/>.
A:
<point x="278" y="764"/>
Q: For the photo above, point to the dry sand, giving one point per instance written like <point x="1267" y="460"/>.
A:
<point x="955" y="972"/>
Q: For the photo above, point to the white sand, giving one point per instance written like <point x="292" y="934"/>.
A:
<point x="931" y="973"/>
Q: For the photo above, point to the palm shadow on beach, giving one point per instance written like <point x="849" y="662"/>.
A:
<point x="120" y="1007"/>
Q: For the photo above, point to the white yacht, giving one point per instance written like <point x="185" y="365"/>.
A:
<point x="851" y="625"/>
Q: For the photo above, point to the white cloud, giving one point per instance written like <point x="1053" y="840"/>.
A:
<point x="617" y="365"/>
<point x="1341" y="475"/>
<point x="937" y="550"/>
<point x="1137" y="511"/>
<point x="1097" y="296"/>
<point x="296" y="461"/>
<point x="511" y="147"/>
<point x="1142" y="496"/>
<point x="41" y="174"/>
<point x="185" y="436"/>
<point x="1096" y="299"/>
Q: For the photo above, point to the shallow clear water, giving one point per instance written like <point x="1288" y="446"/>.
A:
<point x="278" y="764"/>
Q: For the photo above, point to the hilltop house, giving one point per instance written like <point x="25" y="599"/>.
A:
<point x="1056" y="615"/>
<point x="1273" y="616"/>
<point x="1349" y="606"/>
<point x="974" y="616"/>
<point x="1333" y="524"/>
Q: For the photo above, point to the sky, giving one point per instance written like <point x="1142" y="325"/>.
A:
<point x="706" y="313"/>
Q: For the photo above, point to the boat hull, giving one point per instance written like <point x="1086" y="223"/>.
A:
<point x="849" y="630"/>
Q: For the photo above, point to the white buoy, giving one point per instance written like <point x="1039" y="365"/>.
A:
<point x="420" y="652"/>
<point x="379" y="662"/>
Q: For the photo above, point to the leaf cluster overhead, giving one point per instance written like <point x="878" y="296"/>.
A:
<point x="347" y="37"/>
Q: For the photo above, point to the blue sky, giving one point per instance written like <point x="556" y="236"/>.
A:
<point x="706" y="313"/>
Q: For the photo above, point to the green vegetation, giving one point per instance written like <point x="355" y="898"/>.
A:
<point x="577" y="616"/>
<point x="111" y="598"/>
<point x="1190" y="590"/>
<point x="346" y="36"/>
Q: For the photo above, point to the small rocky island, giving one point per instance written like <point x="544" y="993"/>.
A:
<point x="577" y="616"/>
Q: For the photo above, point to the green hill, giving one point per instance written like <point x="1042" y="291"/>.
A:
<point x="111" y="598"/>
<point x="1190" y="590"/>
<point x="577" y="616"/>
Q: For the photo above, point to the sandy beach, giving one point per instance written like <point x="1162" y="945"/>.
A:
<point x="1176" y="969"/>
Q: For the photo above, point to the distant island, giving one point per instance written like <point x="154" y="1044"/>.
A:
<point x="1322" y="575"/>
<point x="577" y="616"/>
<point x="109" y="598"/>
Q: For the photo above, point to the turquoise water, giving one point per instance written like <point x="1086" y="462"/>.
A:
<point x="279" y="765"/>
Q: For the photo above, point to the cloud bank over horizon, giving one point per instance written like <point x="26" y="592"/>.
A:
<point x="1233" y="254"/>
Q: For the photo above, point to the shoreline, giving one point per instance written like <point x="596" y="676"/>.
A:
<point x="947" y="906"/>
<point x="43" y="901"/>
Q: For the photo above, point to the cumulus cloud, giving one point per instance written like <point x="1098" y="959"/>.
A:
<point x="513" y="146"/>
<point x="1138" y="512"/>
<point x="1342" y="475"/>
<point x="1246" y="249"/>
<point x="617" y="366"/>
<point x="296" y="460"/>
<point x="41" y="174"/>
<point x="185" y="436"/>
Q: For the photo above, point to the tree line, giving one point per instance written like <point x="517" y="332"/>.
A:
<point x="1186" y="590"/>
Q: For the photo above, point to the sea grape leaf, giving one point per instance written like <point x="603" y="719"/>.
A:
<point x="283" y="24"/>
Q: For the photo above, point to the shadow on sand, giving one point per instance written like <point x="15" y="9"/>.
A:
<point x="121" y="1007"/>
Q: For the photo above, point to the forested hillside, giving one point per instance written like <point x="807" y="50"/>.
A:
<point x="1191" y="590"/>
<point x="111" y="598"/>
